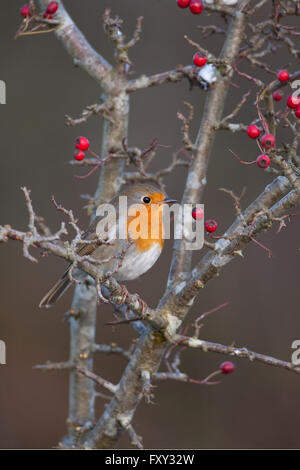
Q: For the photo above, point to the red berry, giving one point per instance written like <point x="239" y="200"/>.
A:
<point x="268" y="141"/>
<point x="263" y="161"/>
<point x="227" y="367"/>
<point x="293" y="101"/>
<point x="199" y="60"/>
<point x="52" y="8"/>
<point x="183" y="3"/>
<point x="197" y="214"/>
<point x="283" y="75"/>
<point x="82" y="143"/>
<point x="253" y="131"/>
<point x="196" y="7"/>
<point x="79" y="155"/>
<point x="297" y="112"/>
<point x="25" y="11"/>
<point x="47" y="17"/>
<point x="277" y="96"/>
<point x="211" y="226"/>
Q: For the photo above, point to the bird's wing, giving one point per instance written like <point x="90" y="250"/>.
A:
<point x="89" y="235"/>
<point x="102" y="225"/>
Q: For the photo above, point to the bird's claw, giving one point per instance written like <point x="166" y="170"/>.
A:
<point x="143" y="305"/>
<point x="124" y="294"/>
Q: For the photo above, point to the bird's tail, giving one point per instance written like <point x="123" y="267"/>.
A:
<point x="57" y="291"/>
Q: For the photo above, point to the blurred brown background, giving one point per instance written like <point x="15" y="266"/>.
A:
<point x="257" y="406"/>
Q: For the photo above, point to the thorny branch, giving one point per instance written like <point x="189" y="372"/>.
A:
<point x="234" y="351"/>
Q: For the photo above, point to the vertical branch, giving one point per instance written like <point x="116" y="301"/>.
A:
<point x="114" y="131"/>
<point x="120" y="411"/>
<point x="82" y="337"/>
<point x="212" y="113"/>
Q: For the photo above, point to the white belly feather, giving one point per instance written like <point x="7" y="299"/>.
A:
<point x="136" y="263"/>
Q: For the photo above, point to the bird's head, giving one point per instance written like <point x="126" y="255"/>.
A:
<point x="147" y="195"/>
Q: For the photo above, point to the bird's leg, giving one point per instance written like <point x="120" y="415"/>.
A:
<point x="124" y="294"/>
<point x="142" y="303"/>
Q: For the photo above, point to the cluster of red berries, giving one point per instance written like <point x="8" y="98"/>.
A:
<point x="196" y="6"/>
<point x="210" y="224"/>
<point x="293" y="101"/>
<point x="50" y="11"/>
<point x="82" y="144"/>
<point x="267" y="141"/>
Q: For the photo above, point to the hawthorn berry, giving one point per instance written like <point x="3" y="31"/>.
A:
<point x="199" y="60"/>
<point x="283" y="75"/>
<point x="277" y="96"/>
<point x="47" y="17"/>
<point x="196" y="7"/>
<point x="25" y="11"/>
<point x="253" y="131"/>
<point x="52" y="8"/>
<point x="211" y="226"/>
<point x="82" y="143"/>
<point x="263" y="161"/>
<point x="197" y="214"/>
<point x="79" y="156"/>
<point x="297" y="112"/>
<point x="293" y="101"/>
<point x="227" y="367"/>
<point x="183" y="3"/>
<point x="268" y="141"/>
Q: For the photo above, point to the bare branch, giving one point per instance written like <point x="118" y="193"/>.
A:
<point x="186" y="122"/>
<point x="171" y="76"/>
<point x="134" y="438"/>
<point x="79" y="48"/>
<point x="147" y="387"/>
<point x="67" y="365"/>
<point x="99" y="380"/>
<point x="111" y="349"/>
<point x="207" y="346"/>
<point x="92" y="110"/>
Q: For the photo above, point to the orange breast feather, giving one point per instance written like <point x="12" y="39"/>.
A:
<point x="146" y="227"/>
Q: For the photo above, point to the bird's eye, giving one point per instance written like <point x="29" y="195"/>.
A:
<point x="146" y="199"/>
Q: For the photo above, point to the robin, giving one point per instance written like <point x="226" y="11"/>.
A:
<point x="136" y="253"/>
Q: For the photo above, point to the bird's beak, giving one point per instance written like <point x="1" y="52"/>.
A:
<point x="168" y="200"/>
